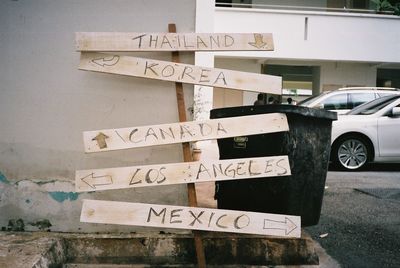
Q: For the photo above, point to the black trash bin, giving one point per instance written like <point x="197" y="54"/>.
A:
<point x="307" y="144"/>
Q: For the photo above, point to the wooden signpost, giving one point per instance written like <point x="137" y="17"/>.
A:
<point x="178" y="72"/>
<point x="133" y="137"/>
<point x="180" y="217"/>
<point x="181" y="173"/>
<point x="193" y="218"/>
<point x="112" y="41"/>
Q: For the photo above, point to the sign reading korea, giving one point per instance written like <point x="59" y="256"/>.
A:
<point x="113" y="41"/>
<point x="124" y="138"/>
<point x="194" y="218"/>
<point x="179" y="72"/>
<point x="181" y="173"/>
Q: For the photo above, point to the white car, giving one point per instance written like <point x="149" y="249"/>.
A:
<point x="368" y="133"/>
<point x="347" y="98"/>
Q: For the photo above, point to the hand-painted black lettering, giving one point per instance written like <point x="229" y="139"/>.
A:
<point x="268" y="166"/>
<point x="149" y="175"/>
<point x="131" y="135"/>
<point x="200" y="42"/>
<point x="174" y="215"/>
<point x="196" y="218"/>
<point x="242" y="225"/>
<point x="252" y="171"/>
<point x="239" y="166"/>
<point x="162" y="212"/>
<point x="185" y="130"/>
<point x="219" y="169"/>
<point x="170" y="134"/>
<point x="216" y="42"/>
<point x="153" y="40"/>
<point x="218" y="224"/>
<point x="202" y="169"/>
<point x="168" y="71"/>
<point x="229" y="41"/>
<point x="283" y="170"/>
<point x="203" y="129"/>
<point x="150" y="132"/>
<point x="140" y="39"/>
<point x="187" y="71"/>
<point x="221" y="76"/>
<point x="230" y="171"/>
<point x="186" y="45"/>
<point x="150" y="67"/>
<point x="165" y="41"/>
<point x="221" y="128"/>
<point x="132" y="182"/>
<point x="162" y="177"/>
<point x="204" y="76"/>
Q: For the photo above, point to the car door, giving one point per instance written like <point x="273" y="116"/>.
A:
<point x="389" y="135"/>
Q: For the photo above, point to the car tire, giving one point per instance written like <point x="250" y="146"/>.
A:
<point x="351" y="153"/>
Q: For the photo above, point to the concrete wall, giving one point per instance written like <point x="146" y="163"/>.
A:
<point x="46" y="103"/>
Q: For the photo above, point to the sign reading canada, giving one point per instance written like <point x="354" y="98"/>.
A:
<point x="179" y="217"/>
<point x="181" y="173"/>
<point x="124" y="138"/>
<point x="178" y="72"/>
<point x="112" y="41"/>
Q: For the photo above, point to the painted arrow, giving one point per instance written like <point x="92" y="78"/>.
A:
<point x="94" y="181"/>
<point x="106" y="61"/>
<point x="288" y="225"/>
<point x="101" y="140"/>
<point x="259" y="43"/>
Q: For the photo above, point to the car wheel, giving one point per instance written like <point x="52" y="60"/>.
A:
<point x="351" y="153"/>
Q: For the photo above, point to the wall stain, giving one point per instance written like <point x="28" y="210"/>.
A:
<point x="3" y="179"/>
<point x="62" y="196"/>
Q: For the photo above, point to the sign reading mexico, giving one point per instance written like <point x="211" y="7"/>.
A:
<point x="194" y="218"/>
<point x="114" y="41"/>
<point x="179" y="72"/>
<point x="124" y="138"/>
<point x="181" y="173"/>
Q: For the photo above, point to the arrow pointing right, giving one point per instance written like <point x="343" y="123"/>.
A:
<point x="94" y="181"/>
<point x="287" y="225"/>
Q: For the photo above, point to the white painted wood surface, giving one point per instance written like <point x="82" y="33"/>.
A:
<point x="120" y="41"/>
<point x="193" y="218"/>
<point x="133" y="137"/>
<point x="181" y="173"/>
<point x="178" y="72"/>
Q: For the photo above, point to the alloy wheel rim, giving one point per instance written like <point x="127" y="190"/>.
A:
<point x="352" y="154"/>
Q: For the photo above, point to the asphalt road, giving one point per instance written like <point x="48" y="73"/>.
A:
<point x="360" y="218"/>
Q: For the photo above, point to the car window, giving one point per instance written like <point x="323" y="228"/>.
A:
<point x="359" y="98"/>
<point x="336" y="102"/>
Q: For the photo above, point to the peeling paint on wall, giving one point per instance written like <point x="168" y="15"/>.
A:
<point x="3" y="179"/>
<point x="62" y="196"/>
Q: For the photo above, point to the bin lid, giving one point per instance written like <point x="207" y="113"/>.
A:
<point x="272" y="108"/>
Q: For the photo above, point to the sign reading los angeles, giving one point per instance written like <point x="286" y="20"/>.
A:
<point x="181" y="173"/>
<point x="114" y="41"/>
<point x="194" y="218"/>
<point x="179" y="72"/>
<point x="133" y="137"/>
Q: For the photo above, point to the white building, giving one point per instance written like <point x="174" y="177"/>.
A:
<point x="319" y="44"/>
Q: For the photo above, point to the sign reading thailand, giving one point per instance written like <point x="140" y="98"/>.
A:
<point x="179" y="72"/>
<point x="194" y="218"/>
<point x="124" y="138"/>
<point x="181" y="173"/>
<point x="114" y="41"/>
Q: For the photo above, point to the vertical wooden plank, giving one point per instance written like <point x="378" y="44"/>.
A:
<point x="187" y="157"/>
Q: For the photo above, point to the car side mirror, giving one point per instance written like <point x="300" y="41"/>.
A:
<point x="395" y="112"/>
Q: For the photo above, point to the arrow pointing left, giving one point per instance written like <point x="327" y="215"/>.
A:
<point x="106" y="61"/>
<point x="94" y="181"/>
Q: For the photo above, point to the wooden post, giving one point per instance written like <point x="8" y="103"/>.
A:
<point x="187" y="157"/>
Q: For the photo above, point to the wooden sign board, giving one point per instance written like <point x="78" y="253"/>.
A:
<point x="117" y="41"/>
<point x="193" y="218"/>
<point x="178" y="72"/>
<point x="181" y="173"/>
<point x="133" y="137"/>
